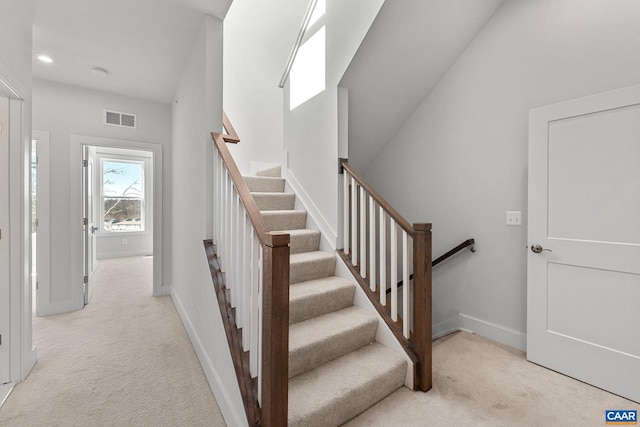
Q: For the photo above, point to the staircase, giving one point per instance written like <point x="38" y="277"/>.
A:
<point x="336" y="368"/>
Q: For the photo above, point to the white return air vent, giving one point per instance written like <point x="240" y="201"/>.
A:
<point x="115" y="118"/>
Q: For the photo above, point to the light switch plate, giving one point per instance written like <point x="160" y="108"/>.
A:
<point x="514" y="218"/>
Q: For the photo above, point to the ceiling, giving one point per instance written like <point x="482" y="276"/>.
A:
<point x="408" y="49"/>
<point x="143" y="44"/>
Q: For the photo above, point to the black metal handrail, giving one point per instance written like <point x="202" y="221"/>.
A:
<point x="460" y="247"/>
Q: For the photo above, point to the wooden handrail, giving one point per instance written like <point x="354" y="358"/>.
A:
<point x="399" y="219"/>
<point x="461" y="246"/>
<point x="275" y="303"/>
<point x="417" y="309"/>
<point x="231" y="135"/>
<point x="241" y="186"/>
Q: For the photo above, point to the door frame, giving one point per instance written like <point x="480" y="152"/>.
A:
<point x="43" y="236"/>
<point x="77" y="142"/>
<point x="23" y="354"/>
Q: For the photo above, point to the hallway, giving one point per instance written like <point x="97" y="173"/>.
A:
<point x="125" y="359"/>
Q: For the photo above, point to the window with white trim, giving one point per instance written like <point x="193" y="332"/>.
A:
<point x="122" y="195"/>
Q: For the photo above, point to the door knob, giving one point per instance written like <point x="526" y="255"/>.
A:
<point x="94" y="229"/>
<point x="537" y="249"/>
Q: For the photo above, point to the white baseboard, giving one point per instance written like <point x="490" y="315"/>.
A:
<point x="166" y="290"/>
<point x="495" y="332"/>
<point x="445" y="327"/>
<point x="329" y="235"/>
<point x="215" y="382"/>
<point x="120" y="254"/>
<point x="45" y="309"/>
<point x="5" y="391"/>
<point x="32" y="359"/>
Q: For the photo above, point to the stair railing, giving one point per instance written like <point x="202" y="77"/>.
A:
<point x="466" y="244"/>
<point x="375" y="236"/>
<point x="254" y="289"/>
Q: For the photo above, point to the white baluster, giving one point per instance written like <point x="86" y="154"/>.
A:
<point x="393" y="243"/>
<point x="231" y="257"/>
<point x="354" y="222"/>
<point x="215" y="195"/>
<point x="253" y="354"/>
<point x="363" y="234"/>
<point x="222" y="245"/>
<point x="372" y="244"/>
<point x="345" y="243"/>
<point x="246" y="283"/>
<point x="227" y="251"/>
<point x="260" y="311"/>
<point x="406" y="309"/>
<point x="383" y="258"/>
<point x="239" y="263"/>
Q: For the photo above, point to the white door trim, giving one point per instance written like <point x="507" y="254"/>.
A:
<point x="77" y="141"/>
<point x="43" y="246"/>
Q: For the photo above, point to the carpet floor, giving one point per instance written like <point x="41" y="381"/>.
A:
<point x="123" y="360"/>
<point x="478" y="382"/>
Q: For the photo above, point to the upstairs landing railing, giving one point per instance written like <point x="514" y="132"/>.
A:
<point x="253" y="292"/>
<point x="377" y="236"/>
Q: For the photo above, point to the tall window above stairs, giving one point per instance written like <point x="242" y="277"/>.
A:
<point x="307" y="78"/>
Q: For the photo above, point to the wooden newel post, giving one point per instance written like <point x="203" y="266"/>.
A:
<point x="275" y="331"/>
<point x="422" y="322"/>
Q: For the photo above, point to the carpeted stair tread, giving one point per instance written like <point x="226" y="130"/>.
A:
<point x="264" y="184"/>
<point x="274" y="201"/>
<point x="273" y="172"/>
<point x="320" y="296"/>
<point x="303" y="240"/>
<point x="284" y="219"/>
<point x="321" y="339"/>
<point x="343" y="388"/>
<point x="311" y="265"/>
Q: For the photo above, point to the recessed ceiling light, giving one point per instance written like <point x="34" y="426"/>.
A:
<point x="102" y="72"/>
<point x="45" y="58"/>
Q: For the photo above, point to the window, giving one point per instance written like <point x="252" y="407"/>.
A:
<point x="122" y="195"/>
<point x="307" y="78"/>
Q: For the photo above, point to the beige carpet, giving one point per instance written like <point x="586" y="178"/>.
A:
<point x="478" y="382"/>
<point x="124" y="360"/>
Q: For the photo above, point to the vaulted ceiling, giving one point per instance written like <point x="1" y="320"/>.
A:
<point x="408" y="49"/>
<point x="142" y="44"/>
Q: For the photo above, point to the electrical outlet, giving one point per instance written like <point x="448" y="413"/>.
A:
<point x="514" y="218"/>
<point x="124" y="241"/>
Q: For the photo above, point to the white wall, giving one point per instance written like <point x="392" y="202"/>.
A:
<point x="258" y="37"/>
<point x="311" y="129"/>
<point x="196" y="112"/>
<point x="15" y="70"/>
<point x="461" y="160"/>
<point x="63" y="111"/>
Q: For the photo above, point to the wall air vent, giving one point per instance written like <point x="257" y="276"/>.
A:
<point x="115" y="118"/>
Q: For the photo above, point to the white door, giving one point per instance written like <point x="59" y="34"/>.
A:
<point x="5" y="307"/>
<point x="89" y="227"/>
<point x="583" y="302"/>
